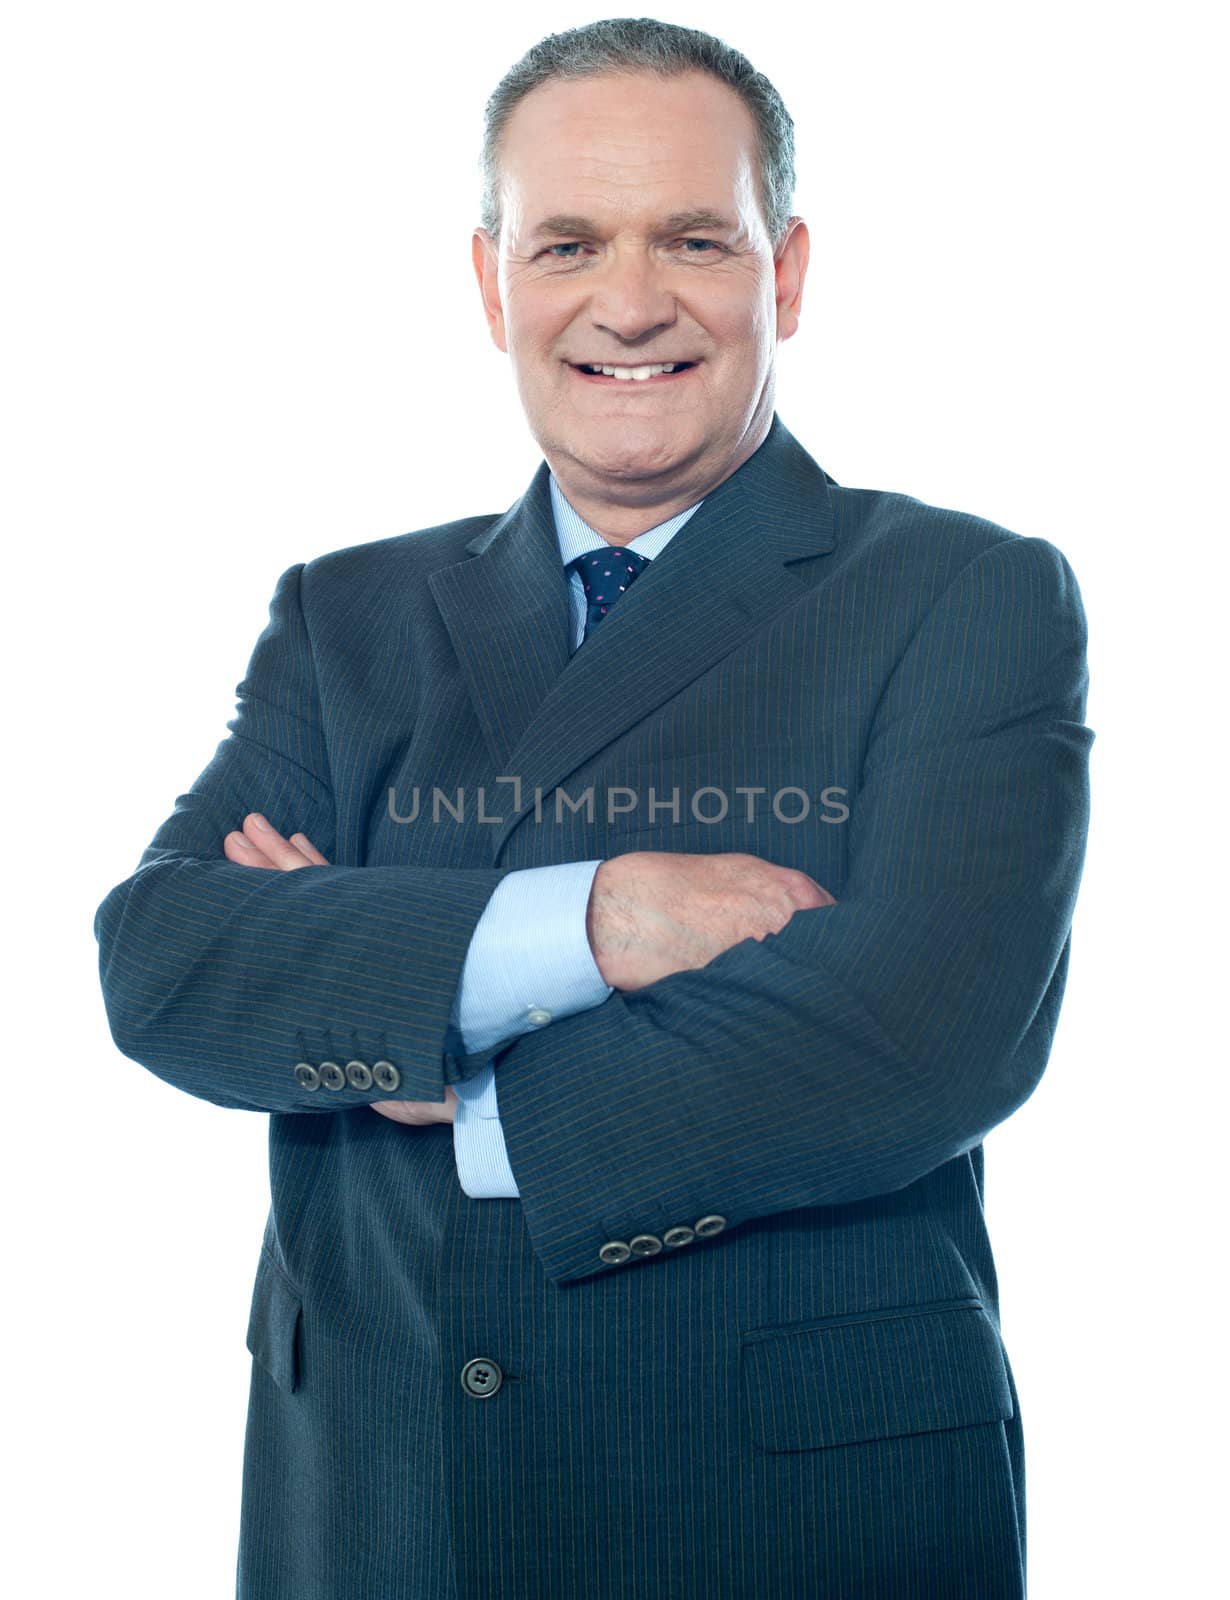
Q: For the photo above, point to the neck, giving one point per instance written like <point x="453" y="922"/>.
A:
<point x="617" y="514"/>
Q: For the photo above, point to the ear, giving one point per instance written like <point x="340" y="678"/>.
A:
<point x="485" y="253"/>
<point x="790" y="268"/>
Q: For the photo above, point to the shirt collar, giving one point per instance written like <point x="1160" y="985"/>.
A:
<point x="576" y="537"/>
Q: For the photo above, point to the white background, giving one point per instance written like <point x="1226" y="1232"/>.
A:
<point x="241" y="328"/>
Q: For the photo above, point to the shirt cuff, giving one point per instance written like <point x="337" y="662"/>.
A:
<point x="483" y="1168"/>
<point x="529" y="960"/>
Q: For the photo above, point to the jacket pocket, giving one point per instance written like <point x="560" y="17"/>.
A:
<point x="273" y="1327"/>
<point x="876" y="1377"/>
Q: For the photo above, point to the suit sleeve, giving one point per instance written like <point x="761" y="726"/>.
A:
<point x="224" y="980"/>
<point x="871" y="1041"/>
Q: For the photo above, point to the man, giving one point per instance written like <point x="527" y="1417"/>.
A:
<point x="757" y="815"/>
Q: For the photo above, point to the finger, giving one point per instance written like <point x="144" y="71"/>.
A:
<point x="409" y="1112"/>
<point x="806" y="893"/>
<point x="419" y="1113"/>
<point x="279" y="851"/>
<point x="390" y="1109"/>
<point x="237" y="847"/>
<point x="307" y="848"/>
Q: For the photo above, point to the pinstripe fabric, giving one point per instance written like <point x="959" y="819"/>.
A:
<point x="556" y="967"/>
<point x="813" y="1400"/>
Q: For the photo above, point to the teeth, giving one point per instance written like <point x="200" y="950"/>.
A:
<point x="635" y="374"/>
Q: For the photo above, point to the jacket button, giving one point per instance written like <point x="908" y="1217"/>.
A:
<point x="481" y="1377"/>
<point x="708" y="1225"/>
<point x="386" y="1076"/>
<point x="674" y="1237"/>
<point x="331" y="1075"/>
<point x="613" y="1252"/>
<point x="645" y="1244"/>
<point x="359" y="1074"/>
<point x="307" y="1075"/>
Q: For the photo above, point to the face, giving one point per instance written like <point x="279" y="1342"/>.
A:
<point x="631" y="235"/>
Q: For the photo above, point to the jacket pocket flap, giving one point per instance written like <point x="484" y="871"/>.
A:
<point x="845" y="1383"/>
<point x="273" y="1327"/>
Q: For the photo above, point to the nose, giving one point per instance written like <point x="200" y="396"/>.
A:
<point x="630" y="297"/>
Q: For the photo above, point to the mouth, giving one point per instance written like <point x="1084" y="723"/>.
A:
<point x="647" y="376"/>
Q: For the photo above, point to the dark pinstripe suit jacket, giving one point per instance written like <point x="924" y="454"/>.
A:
<point x="808" y="1394"/>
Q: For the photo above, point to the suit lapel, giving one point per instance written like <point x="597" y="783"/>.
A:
<point x="542" y="713"/>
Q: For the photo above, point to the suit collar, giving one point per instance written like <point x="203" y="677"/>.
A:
<point x="507" y="611"/>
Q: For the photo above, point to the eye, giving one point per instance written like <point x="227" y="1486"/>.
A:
<point x="707" y="247"/>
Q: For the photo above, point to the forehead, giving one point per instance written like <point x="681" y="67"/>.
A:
<point x="628" y="143"/>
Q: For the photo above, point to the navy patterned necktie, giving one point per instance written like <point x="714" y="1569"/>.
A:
<point x="605" y="575"/>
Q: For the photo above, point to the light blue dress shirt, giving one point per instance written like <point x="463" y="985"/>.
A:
<point x="529" y="961"/>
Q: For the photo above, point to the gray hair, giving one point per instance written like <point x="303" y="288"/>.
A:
<point x="642" y="44"/>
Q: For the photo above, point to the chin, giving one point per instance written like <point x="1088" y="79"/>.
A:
<point x="634" y="452"/>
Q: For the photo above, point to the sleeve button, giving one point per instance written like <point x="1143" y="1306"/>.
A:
<point x="358" y="1074"/>
<point x="386" y="1076"/>
<point x="537" y="1016"/>
<point x="307" y="1075"/>
<point x="331" y="1075"/>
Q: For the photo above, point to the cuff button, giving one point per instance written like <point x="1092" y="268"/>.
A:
<point x="331" y="1075"/>
<point x="307" y="1075"/>
<point x="386" y="1076"/>
<point x="358" y="1075"/>
<point x="537" y="1015"/>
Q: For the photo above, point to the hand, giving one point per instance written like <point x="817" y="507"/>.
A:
<point x="418" y="1113"/>
<point x="261" y="845"/>
<point x="654" y="912"/>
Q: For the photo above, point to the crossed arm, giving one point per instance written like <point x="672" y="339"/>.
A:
<point x="650" y="914"/>
<point x="908" y="1020"/>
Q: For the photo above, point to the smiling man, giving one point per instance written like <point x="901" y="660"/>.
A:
<point x="681" y="865"/>
<point x="590" y="303"/>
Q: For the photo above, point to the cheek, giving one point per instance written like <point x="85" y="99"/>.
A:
<point x="529" y="319"/>
<point x="743" y="316"/>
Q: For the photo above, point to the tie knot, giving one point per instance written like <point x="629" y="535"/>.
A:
<point x="605" y="575"/>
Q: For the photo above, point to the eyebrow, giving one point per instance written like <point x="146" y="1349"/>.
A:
<point x="674" y="222"/>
